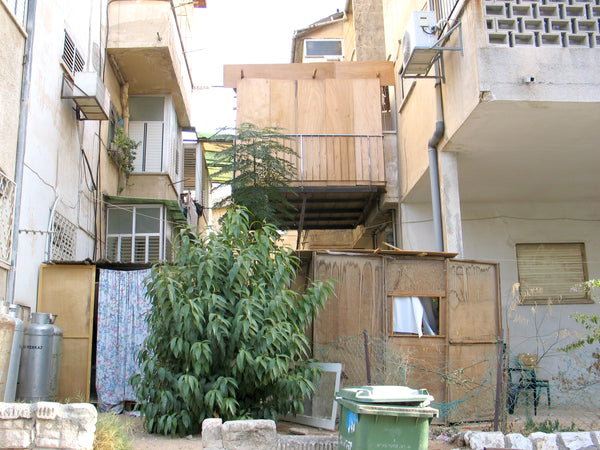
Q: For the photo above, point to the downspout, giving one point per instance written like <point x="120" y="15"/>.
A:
<point x="20" y="154"/>
<point x="434" y="171"/>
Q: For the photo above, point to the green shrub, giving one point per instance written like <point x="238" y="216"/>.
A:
<point x="226" y="332"/>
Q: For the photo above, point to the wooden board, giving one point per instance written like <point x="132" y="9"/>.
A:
<point x="311" y="120"/>
<point x="471" y="381"/>
<point x="283" y="105"/>
<point x="416" y="277"/>
<point x="383" y="71"/>
<point x="367" y="120"/>
<point x="473" y="301"/>
<point x="254" y="97"/>
<point x="69" y="292"/>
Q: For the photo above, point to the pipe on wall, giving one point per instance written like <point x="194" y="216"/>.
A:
<point x="21" y="140"/>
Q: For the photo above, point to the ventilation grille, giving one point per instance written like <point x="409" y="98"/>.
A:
<point x="71" y="56"/>
<point x="64" y="239"/>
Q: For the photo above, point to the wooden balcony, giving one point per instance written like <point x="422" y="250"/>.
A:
<point x="338" y="178"/>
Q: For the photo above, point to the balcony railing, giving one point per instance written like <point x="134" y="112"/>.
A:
<point x="445" y="8"/>
<point x="7" y="207"/>
<point x="338" y="159"/>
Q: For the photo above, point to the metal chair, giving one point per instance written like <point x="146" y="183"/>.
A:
<point x="524" y="377"/>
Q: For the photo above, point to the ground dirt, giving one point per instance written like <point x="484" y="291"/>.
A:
<point x="141" y="440"/>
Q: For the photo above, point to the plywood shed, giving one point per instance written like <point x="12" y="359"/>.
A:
<point x="456" y="361"/>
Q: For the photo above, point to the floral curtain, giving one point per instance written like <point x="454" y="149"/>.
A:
<point x="121" y="330"/>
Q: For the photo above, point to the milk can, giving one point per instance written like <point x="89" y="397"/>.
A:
<point x="15" y="357"/>
<point x="36" y="356"/>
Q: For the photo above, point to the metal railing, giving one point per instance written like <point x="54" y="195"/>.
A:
<point x="445" y="8"/>
<point x="348" y="159"/>
<point x="19" y="10"/>
<point x="7" y="208"/>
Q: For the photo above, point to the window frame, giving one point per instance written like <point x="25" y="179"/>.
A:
<point x="579" y="297"/>
<point x="442" y="326"/>
<point x="321" y="57"/>
<point x="133" y="235"/>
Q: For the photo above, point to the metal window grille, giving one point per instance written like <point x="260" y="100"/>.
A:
<point x="445" y="8"/>
<point x="71" y="56"/>
<point x="19" y="10"/>
<point x="135" y="246"/>
<point x="7" y="207"/>
<point x="63" y="239"/>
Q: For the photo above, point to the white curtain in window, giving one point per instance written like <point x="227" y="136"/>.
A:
<point x="410" y="317"/>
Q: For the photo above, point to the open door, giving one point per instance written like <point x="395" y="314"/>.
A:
<point x="69" y="292"/>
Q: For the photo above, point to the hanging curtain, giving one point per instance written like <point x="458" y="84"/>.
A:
<point x="121" y="330"/>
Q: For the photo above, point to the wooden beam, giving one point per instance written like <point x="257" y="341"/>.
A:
<point x="381" y="70"/>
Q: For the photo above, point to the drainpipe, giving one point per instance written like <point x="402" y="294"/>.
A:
<point x="20" y="155"/>
<point x="434" y="171"/>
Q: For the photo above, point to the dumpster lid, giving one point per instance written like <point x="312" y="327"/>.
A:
<point x="387" y="394"/>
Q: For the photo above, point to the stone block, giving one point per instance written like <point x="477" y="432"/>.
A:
<point x="212" y="438"/>
<point x="73" y="427"/>
<point x="577" y="441"/>
<point x="47" y="410"/>
<point x="249" y="435"/>
<point x="307" y="443"/>
<point x="516" y="440"/>
<point x="16" y="411"/>
<point x="479" y="440"/>
<point x="16" y="438"/>
<point x="544" y="441"/>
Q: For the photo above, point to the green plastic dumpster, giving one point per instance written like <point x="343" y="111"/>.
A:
<point x="384" y="417"/>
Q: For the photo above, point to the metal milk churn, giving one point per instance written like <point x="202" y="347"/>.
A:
<point x="57" y="338"/>
<point x="15" y="357"/>
<point x="36" y="355"/>
<point x="7" y="331"/>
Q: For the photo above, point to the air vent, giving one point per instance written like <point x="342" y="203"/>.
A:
<point x="71" y="56"/>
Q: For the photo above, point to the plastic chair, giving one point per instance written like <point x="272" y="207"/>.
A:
<point x="524" y="377"/>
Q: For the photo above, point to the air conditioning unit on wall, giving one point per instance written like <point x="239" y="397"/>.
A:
<point x="419" y="38"/>
<point x="89" y="94"/>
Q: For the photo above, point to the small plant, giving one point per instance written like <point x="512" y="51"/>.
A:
<point x="122" y="151"/>
<point x="111" y="433"/>
<point x="547" y="426"/>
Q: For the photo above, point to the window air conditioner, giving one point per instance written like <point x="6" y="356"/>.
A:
<point x="89" y="94"/>
<point x="419" y="38"/>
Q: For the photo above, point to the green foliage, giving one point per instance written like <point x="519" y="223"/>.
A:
<point x="111" y="433"/>
<point x="589" y="322"/>
<point x="547" y="426"/>
<point x="226" y="332"/>
<point x="122" y="151"/>
<point x="261" y="170"/>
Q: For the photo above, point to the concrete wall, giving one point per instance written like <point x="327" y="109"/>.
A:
<point x="150" y="185"/>
<point x="368" y="23"/>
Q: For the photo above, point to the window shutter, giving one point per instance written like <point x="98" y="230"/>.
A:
<point x="154" y="146"/>
<point x="551" y="272"/>
<point x="136" y="133"/>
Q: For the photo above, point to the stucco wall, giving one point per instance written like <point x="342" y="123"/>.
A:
<point x="11" y="58"/>
<point x="368" y="22"/>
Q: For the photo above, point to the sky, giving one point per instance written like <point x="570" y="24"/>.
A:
<point x="242" y="32"/>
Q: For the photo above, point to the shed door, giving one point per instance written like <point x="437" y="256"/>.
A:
<point x="69" y="292"/>
<point x="473" y="330"/>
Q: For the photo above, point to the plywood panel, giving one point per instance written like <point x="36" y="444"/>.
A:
<point x="311" y="120"/>
<point x="471" y="381"/>
<point x="416" y="276"/>
<point x="473" y="301"/>
<point x="283" y="105"/>
<point x="69" y="292"/>
<point x="254" y="97"/>
<point x="367" y="106"/>
<point x="339" y="106"/>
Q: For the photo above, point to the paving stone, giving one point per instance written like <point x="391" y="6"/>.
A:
<point x="577" y="441"/>
<point x="212" y="438"/>
<point x="478" y="440"/>
<point x="544" y="441"/>
<point x="516" y="440"/>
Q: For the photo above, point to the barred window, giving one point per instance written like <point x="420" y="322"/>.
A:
<point x="7" y="207"/>
<point x="63" y="239"/>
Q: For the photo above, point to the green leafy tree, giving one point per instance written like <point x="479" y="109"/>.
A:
<point x="589" y="322"/>
<point x="260" y="169"/>
<point x="226" y="332"/>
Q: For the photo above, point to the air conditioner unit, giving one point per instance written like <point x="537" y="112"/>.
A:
<point x="419" y="38"/>
<point x="89" y="94"/>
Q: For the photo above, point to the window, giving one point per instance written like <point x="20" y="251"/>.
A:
<point x="63" y="239"/>
<point x="324" y="49"/>
<point x="146" y="126"/>
<point x="135" y="234"/>
<point x="7" y="206"/>
<point x="71" y="56"/>
<point x="552" y="273"/>
<point x="415" y="315"/>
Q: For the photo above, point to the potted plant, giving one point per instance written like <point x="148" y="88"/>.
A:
<point x="122" y="152"/>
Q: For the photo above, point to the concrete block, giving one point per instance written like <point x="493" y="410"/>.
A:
<point x="575" y="11"/>
<point x="523" y="39"/>
<point x="544" y="441"/>
<point x="577" y="40"/>
<point x="307" y="443"/>
<point x="516" y="440"/>
<point x="16" y="439"/>
<point x="558" y="25"/>
<point x="577" y="441"/>
<point x="506" y="24"/>
<point x="499" y="39"/>
<point x="212" y="437"/>
<point x="522" y="10"/>
<point x="495" y="10"/>
<point x="16" y="411"/>
<point x="586" y="26"/>
<point x="479" y="440"/>
<point x="249" y="435"/>
<point x="548" y="11"/>
<point x="551" y="40"/>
